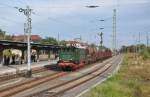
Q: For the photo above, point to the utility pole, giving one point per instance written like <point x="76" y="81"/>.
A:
<point x="135" y="45"/>
<point x="139" y="37"/>
<point x="147" y="39"/>
<point x="27" y="13"/>
<point x="139" y="42"/>
<point x="114" y="32"/>
<point x="58" y="38"/>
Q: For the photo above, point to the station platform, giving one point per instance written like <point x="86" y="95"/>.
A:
<point x="15" y="68"/>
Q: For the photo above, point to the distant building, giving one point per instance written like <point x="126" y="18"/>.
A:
<point x="76" y="44"/>
<point x="22" y="38"/>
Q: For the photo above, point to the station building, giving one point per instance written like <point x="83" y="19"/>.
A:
<point x="40" y="51"/>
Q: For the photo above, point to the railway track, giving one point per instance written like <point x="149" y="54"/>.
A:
<point x="7" y="92"/>
<point x="61" y="88"/>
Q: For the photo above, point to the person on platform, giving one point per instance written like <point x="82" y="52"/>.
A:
<point x="7" y="54"/>
<point x="4" y="59"/>
<point x="17" y="59"/>
<point x="13" y="59"/>
<point x="32" y="57"/>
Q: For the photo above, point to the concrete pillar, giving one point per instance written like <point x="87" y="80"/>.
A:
<point x="38" y="53"/>
<point x="54" y="52"/>
<point x="49" y="54"/>
<point x="1" y="57"/>
<point x="23" y="56"/>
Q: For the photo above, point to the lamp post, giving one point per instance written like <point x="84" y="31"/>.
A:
<point x="27" y="13"/>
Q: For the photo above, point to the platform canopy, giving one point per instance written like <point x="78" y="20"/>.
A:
<point x="23" y="46"/>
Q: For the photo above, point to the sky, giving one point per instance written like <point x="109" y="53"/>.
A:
<point x="72" y="19"/>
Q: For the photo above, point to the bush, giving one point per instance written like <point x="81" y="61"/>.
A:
<point x="145" y="53"/>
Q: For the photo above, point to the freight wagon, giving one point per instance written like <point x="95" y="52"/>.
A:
<point x="72" y="57"/>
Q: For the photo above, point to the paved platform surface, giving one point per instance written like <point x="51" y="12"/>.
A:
<point x="15" y="68"/>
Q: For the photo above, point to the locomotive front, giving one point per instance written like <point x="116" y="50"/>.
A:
<point x="71" y="58"/>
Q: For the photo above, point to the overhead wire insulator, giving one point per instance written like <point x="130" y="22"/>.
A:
<point x="21" y="10"/>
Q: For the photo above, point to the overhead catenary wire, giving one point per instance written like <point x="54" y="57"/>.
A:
<point x="47" y="7"/>
<point x="6" y="5"/>
<point x="13" y="21"/>
<point x="9" y="20"/>
<point x="56" y="20"/>
<point x="59" y="21"/>
<point x="18" y="2"/>
<point x="49" y="18"/>
<point x="63" y="22"/>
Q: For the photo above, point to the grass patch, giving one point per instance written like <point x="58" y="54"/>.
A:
<point x="132" y="80"/>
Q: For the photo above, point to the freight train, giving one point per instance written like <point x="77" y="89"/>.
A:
<point x="73" y="57"/>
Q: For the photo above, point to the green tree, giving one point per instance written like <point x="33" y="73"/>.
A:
<point x="93" y="45"/>
<point x="8" y="37"/>
<point x="123" y="49"/>
<point x="49" y="40"/>
<point x="3" y="35"/>
<point x="62" y="42"/>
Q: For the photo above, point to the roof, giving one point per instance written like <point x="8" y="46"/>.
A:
<point x="21" y="38"/>
<point x="23" y="45"/>
<point x="76" y="44"/>
<point x="71" y="42"/>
